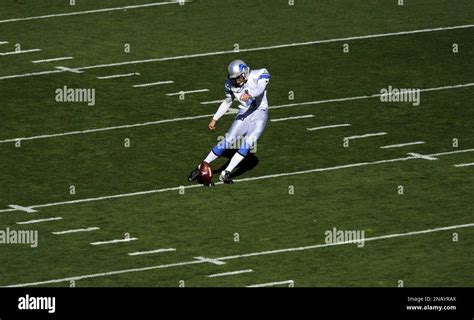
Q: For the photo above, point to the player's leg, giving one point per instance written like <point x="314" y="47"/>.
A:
<point x="257" y="125"/>
<point x="237" y="129"/>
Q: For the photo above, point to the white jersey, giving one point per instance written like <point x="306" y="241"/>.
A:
<point x="255" y="86"/>
<point x="256" y="83"/>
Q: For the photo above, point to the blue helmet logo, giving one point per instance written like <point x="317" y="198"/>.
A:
<point x="242" y="67"/>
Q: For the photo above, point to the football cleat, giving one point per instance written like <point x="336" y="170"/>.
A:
<point x="225" y="177"/>
<point x="194" y="175"/>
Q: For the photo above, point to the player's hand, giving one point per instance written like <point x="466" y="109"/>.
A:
<point x="245" y="97"/>
<point x="212" y="125"/>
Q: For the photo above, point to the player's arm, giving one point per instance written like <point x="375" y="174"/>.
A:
<point x="260" y="89"/>
<point x="223" y="108"/>
<point x="225" y="105"/>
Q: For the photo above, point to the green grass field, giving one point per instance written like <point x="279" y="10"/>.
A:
<point x="279" y="220"/>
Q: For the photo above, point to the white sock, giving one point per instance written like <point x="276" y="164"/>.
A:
<point x="234" y="162"/>
<point x="211" y="157"/>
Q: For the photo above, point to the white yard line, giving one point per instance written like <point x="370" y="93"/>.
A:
<point x="76" y="230"/>
<point x="53" y="135"/>
<point x="449" y="152"/>
<point x="39" y="220"/>
<point x="159" y="83"/>
<point x="188" y="56"/>
<point x="389" y="236"/>
<point x="211" y="261"/>
<point x="272" y="284"/>
<point x="187" y="92"/>
<point x="402" y="145"/>
<point x="119" y="76"/>
<point x="69" y="69"/>
<point x="52" y="59"/>
<point x="353" y="165"/>
<point x="21" y="208"/>
<point x="293" y="118"/>
<point x="154" y="4"/>
<point x="140" y="193"/>
<point x="232" y="273"/>
<point x="280" y="46"/>
<point x="329" y="127"/>
<point x="70" y="133"/>
<point x="464" y="165"/>
<point x="18" y="52"/>
<point x="4" y="42"/>
<point x="422" y="156"/>
<point x="367" y="135"/>
<point x="106" y="274"/>
<point x="253" y="254"/>
<point x="140" y="253"/>
<point x="31" y="74"/>
<point x="212" y="102"/>
<point x="98" y="243"/>
<point x="299" y="104"/>
<point x="372" y="96"/>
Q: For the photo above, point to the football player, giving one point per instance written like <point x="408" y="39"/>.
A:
<point x="248" y="87"/>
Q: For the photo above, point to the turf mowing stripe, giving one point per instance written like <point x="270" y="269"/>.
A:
<point x="329" y="127"/>
<point x="70" y="133"/>
<point x="353" y="165"/>
<point x="39" y="220"/>
<point x="390" y="34"/>
<point x="99" y="243"/>
<point x="464" y="165"/>
<point x="272" y="284"/>
<point x="140" y="253"/>
<point x="52" y="59"/>
<point x="402" y="145"/>
<point x="153" y="84"/>
<point x="18" y="52"/>
<point x="368" y="135"/>
<point x="232" y="273"/>
<point x="119" y="76"/>
<point x="154" y="4"/>
<point x="254" y="254"/>
<point x="293" y="118"/>
<point x="75" y="230"/>
<point x="186" y="92"/>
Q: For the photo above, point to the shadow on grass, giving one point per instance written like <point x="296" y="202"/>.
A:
<point x="249" y="162"/>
